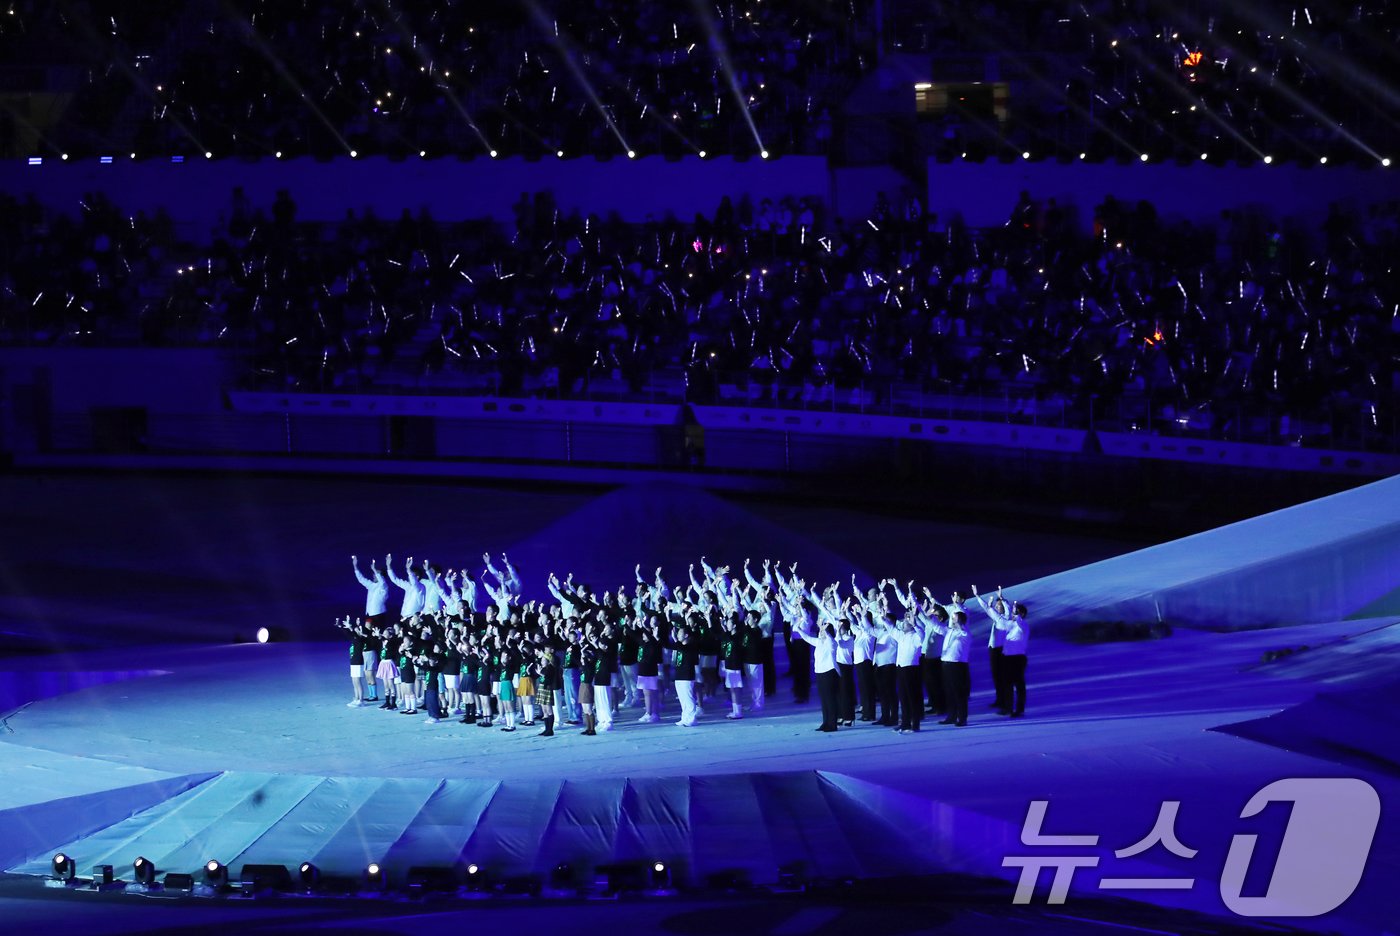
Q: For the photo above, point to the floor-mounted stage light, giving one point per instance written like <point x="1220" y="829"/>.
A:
<point x="254" y="878"/>
<point x="64" y="868"/>
<point x="215" y="874"/>
<point x="375" y="878"/>
<point x="660" y="876"/>
<point x="102" y="876"/>
<point x="478" y="881"/>
<point x="310" y="876"/>
<point x="423" y="879"/>
<point x="145" y="871"/>
<point x="175" y="881"/>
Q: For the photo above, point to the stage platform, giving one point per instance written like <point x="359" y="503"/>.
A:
<point x="247" y="753"/>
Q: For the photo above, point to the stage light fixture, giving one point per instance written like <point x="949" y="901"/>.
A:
<point x="493" y="154"/>
<point x="1386" y="162"/>
<point x="1083" y="155"/>
<point x="264" y="635"/>
<point x="64" y="157"/>
<point x="1205" y="155"/>
<point x="177" y="881"/>
<point x="1026" y="154"/>
<point x="562" y="877"/>
<point x="1142" y="157"/>
<point x="631" y="154"/>
<point x="425" y="879"/>
<point x="478" y="881"/>
<point x="215" y="874"/>
<point x="792" y="876"/>
<point x="559" y="154"/>
<point x="36" y="160"/>
<point x="63" y="868"/>
<point x="702" y="154"/>
<point x="1322" y="161"/>
<point x="375" y="878"/>
<point x="254" y="878"/>
<point x="1268" y="160"/>
<point x="353" y="154"/>
<point x="145" y="871"/>
<point x="208" y="155"/>
<point x="104" y="160"/>
<point x="660" y="876"/>
<point x="763" y="154"/>
<point x="310" y="875"/>
<point x="102" y="875"/>
<point x="422" y="154"/>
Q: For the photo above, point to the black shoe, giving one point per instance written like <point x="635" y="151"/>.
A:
<point x="960" y="723"/>
<point x="948" y="721"/>
<point x="1018" y="714"/>
<point x="824" y="728"/>
<point x="589" y="731"/>
<point x="387" y="704"/>
<point x="507" y="728"/>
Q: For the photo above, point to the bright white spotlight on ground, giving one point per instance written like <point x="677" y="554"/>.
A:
<point x="1386" y="162"/>
<point x="1083" y="155"/>
<point x="64" y="157"/>
<point x="1026" y="154"/>
<point x="1268" y="160"/>
<point x="559" y="154"/>
<point x="264" y="635"/>
<point x="763" y="154"/>
<point x="631" y="154"/>
<point x="702" y="154"/>
<point x="1142" y="157"/>
<point x="422" y="154"/>
<point x="353" y="154"/>
<point x="277" y="155"/>
<point x="1205" y="155"/>
<point x="493" y="154"/>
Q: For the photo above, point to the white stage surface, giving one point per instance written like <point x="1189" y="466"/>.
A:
<point x="248" y="754"/>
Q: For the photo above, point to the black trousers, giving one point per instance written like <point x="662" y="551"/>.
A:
<point x="847" y="708"/>
<point x="770" y="669"/>
<point x="957" y="686"/>
<point x="1014" y="670"/>
<point x="911" y="697"/>
<point x="800" y="663"/>
<point x="933" y="684"/>
<point x="865" y="680"/>
<point x="889" y="694"/>
<point x="997" y="659"/>
<point x="430" y="698"/>
<point x="828" y="685"/>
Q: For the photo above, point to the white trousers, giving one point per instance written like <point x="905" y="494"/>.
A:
<point x="753" y="672"/>
<point x="685" y="692"/>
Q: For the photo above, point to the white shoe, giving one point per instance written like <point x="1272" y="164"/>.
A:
<point x="431" y="721"/>
<point x="358" y="703"/>
<point x="605" y="726"/>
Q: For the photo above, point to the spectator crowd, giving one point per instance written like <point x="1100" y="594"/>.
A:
<point x="1246" y="327"/>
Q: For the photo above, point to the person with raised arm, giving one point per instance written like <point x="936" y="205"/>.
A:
<point x="996" y="640"/>
<point x="909" y="640"/>
<point x="412" y="587"/>
<point x="687" y="661"/>
<point x="823" y="644"/>
<point x="357" y="658"/>
<point x="863" y="660"/>
<point x="1010" y="621"/>
<point x="950" y="621"/>
<point x="886" y="666"/>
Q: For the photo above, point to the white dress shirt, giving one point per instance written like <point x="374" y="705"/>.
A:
<point x="376" y="593"/>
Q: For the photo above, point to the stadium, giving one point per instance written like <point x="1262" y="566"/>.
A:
<point x="925" y="466"/>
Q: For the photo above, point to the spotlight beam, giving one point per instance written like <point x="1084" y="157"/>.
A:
<point x="707" y="20"/>
<point x="560" y="41"/>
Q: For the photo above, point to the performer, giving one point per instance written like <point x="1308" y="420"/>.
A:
<point x="951" y="622"/>
<point x="828" y="682"/>
<point x="909" y="639"/>
<point x="1016" y="637"/>
<point x="412" y="587"/>
<point x="376" y="607"/>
